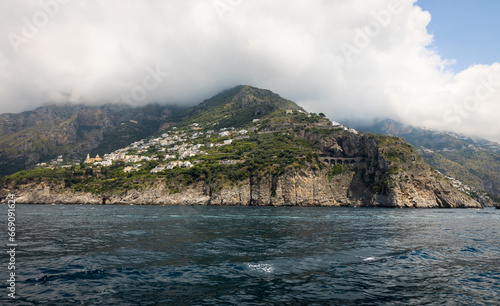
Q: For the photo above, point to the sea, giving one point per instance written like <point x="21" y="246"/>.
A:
<point x="204" y="255"/>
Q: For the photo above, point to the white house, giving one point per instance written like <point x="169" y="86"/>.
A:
<point x="158" y="168"/>
<point x="168" y="156"/>
<point x="187" y="164"/>
<point x="107" y="163"/>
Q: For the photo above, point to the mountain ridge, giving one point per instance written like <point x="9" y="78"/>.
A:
<point x="226" y="107"/>
<point x="275" y="154"/>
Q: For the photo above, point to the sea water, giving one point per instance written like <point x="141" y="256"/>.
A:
<point x="194" y="255"/>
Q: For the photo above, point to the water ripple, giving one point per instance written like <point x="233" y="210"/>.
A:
<point x="130" y="255"/>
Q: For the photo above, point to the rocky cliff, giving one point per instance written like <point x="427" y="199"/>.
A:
<point x="295" y="188"/>
<point x="475" y="162"/>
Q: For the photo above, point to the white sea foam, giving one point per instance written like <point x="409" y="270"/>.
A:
<point x="267" y="268"/>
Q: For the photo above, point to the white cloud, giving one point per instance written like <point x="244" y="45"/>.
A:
<point x="99" y="51"/>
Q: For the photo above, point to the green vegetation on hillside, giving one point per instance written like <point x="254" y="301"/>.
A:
<point x="241" y="134"/>
<point x="259" y="155"/>
<point x="219" y="141"/>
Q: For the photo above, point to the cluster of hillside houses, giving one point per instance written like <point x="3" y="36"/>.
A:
<point x="174" y="147"/>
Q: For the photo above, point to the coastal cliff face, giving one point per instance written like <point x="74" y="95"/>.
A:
<point x="294" y="188"/>
<point x="473" y="162"/>
<point x="385" y="177"/>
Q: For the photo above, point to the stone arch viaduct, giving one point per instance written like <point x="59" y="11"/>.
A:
<point x="333" y="161"/>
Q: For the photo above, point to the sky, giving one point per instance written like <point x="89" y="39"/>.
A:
<point x="465" y="30"/>
<point x="429" y="63"/>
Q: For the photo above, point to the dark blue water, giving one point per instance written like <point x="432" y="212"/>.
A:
<point x="147" y="255"/>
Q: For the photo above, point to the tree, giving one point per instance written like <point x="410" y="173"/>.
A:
<point x="151" y="164"/>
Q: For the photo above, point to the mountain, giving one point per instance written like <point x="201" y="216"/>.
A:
<point x="73" y="131"/>
<point x="247" y="146"/>
<point x="236" y="107"/>
<point x="473" y="161"/>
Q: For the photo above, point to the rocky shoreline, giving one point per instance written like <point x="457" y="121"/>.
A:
<point x="294" y="188"/>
